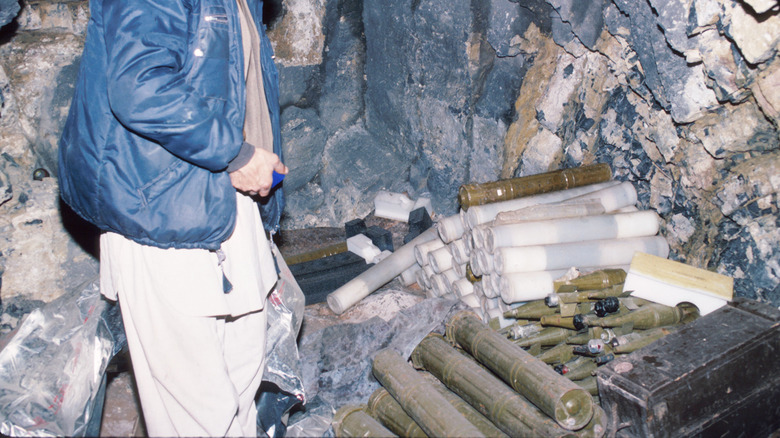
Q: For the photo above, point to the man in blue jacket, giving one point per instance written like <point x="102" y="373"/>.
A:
<point x="173" y="129"/>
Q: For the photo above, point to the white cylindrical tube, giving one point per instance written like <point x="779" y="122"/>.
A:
<point x="478" y="237"/>
<point x="439" y="285"/>
<point x="612" y="198"/>
<point x="574" y="229"/>
<point x="588" y="207"/>
<point x="478" y="289"/>
<point x="476" y="268"/>
<point x="421" y="251"/>
<point x="460" y="270"/>
<point x="480" y="214"/>
<point x="451" y="228"/>
<point x="468" y="237"/>
<point x="374" y="277"/>
<point x="470" y="300"/>
<point x="440" y="259"/>
<point x="593" y="253"/>
<point x="428" y="270"/>
<point x="450" y="277"/>
<point x="459" y="251"/>
<point x="422" y="279"/>
<point x="488" y="285"/>
<point x="528" y="286"/>
<point x="462" y="286"/>
<point x="491" y="303"/>
<point x="486" y="261"/>
<point x="409" y="276"/>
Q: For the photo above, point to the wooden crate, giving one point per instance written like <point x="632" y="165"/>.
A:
<point x="717" y="376"/>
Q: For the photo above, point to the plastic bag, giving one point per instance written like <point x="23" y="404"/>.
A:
<point x="285" y="307"/>
<point x="52" y="372"/>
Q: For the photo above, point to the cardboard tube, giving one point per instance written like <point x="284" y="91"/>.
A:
<point x="612" y="198"/>
<point x="575" y="229"/>
<point x="376" y="276"/>
<point x="421" y="251"/>
<point x="409" y="276"/>
<point x="440" y="259"/>
<point x="590" y="254"/>
<point x="462" y="287"/>
<point x="570" y="208"/>
<point x="459" y="251"/>
<point x="527" y="286"/>
<point x="451" y="228"/>
<point x="484" y="213"/>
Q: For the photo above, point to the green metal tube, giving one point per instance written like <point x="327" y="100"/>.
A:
<point x="646" y="317"/>
<point x="589" y="384"/>
<point x="336" y="248"/>
<point x="383" y="407"/>
<point x="354" y="421"/>
<point x="474" y="416"/>
<point x="559" y="321"/>
<point x="561" y="353"/>
<point x="597" y="427"/>
<point x="548" y="336"/>
<point x="602" y="279"/>
<point x="504" y="190"/>
<point x="555" y="395"/>
<point x="428" y="408"/>
<point x="634" y="341"/>
<point x="580" y="368"/>
<point x="532" y="310"/>
<point x="507" y="409"/>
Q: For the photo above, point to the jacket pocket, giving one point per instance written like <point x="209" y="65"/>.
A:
<point x="211" y="53"/>
<point x="168" y="178"/>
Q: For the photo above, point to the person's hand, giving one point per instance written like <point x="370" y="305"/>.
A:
<point x="256" y="176"/>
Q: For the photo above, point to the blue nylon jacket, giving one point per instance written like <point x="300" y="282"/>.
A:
<point x="157" y="116"/>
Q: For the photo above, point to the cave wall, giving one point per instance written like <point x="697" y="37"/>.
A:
<point x="681" y="97"/>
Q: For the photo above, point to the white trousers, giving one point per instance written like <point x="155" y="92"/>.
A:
<point x="198" y="354"/>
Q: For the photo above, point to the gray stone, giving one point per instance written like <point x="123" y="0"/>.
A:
<point x="501" y="87"/>
<point x="584" y="19"/>
<point x="537" y="12"/>
<point x="487" y="151"/>
<point x="749" y="189"/>
<point x="418" y="87"/>
<point x="677" y="87"/>
<point x="672" y="17"/>
<point x="298" y="85"/>
<point x="739" y="128"/>
<point x="341" y="101"/>
<point x="542" y="151"/>
<point x="6" y="190"/>
<point x="355" y="166"/>
<point x="8" y="11"/>
<point x="303" y="141"/>
<point x="756" y="37"/>
<point x="750" y="255"/>
<point x="302" y="207"/>
<point x="505" y="22"/>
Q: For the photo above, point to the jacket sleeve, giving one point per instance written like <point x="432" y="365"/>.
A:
<point x="147" y="44"/>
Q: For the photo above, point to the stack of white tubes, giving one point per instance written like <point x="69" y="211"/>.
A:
<point x="520" y="247"/>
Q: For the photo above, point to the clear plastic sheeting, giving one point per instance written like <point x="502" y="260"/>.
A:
<point x="52" y="372"/>
<point x="337" y="359"/>
<point x="285" y="307"/>
<point x="314" y="421"/>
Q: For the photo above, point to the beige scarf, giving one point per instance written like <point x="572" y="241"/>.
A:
<point x="257" y="122"/>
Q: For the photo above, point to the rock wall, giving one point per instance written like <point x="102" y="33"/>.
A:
<point x="39" y="55"/>
<point x="681" y="97"/>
